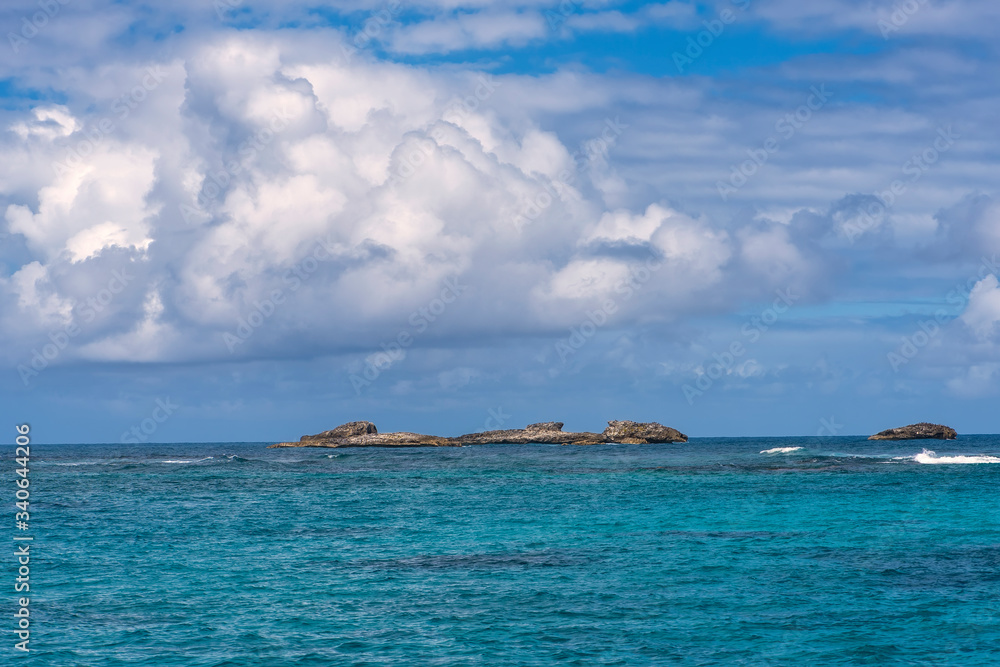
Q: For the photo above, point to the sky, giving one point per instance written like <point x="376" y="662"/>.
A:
<point x="249" y="220"/>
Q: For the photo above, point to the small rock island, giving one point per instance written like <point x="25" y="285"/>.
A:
<point x="364" y="434"/>
<point x="921" y="431"/>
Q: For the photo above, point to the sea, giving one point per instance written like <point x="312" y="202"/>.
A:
<point x="718" y="551"/>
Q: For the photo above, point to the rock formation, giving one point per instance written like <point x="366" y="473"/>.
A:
<point x="921" y="431"/>
<point x="634" y="433"/>
<point x="344" y="431"/>
<point x="549" y="433"/>
<point x="364" y="434"/>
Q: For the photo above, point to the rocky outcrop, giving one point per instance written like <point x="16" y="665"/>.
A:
<point x="921" y="431"/>
<point x="347" y="430"/>
<point x="364" y="434"/>
<point x="635" y="433"/>
<point x="544" y="426"/>
<point x="546" y="433"/>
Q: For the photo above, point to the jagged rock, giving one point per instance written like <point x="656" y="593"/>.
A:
<point x="544" y="426"/>
<point x="364" y="434"/>
<point x="529" y="436"/>
<point x="398" y="439"/>
<point x="921" y="431"/>
<point x="344" y="431"/>
<point x="641" y="433"/>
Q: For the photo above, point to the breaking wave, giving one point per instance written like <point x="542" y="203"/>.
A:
<point x="929" y="457"/>
<point x="782" y="450"/>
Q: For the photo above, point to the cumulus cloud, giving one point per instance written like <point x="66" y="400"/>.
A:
<point x="325" y="188"/>
<point x="982" y="314"/>
<point x="96" y="204"/>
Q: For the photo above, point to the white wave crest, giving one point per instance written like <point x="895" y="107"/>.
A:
<point x="782" y="450"/>
<point x="207" y="458"/>
<point x="77" y="463"/>
<point x="929" y="457"/>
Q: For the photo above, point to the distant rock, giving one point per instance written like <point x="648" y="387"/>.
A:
<point x="921" y="431"/>
<point x="344" y="431"/>
<point x="364" y="434"/>
<point x="545" y="433"/>
<point x="544" y="426"/>
<point x="641" y="433"/>
<point x="399" y="439"/>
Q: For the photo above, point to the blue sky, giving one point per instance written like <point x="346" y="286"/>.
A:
<point x="247" y="221"/>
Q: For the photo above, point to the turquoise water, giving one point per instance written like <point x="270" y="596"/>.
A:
<point x="843" y="552"/>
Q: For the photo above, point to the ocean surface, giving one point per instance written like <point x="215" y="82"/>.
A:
<point x="735" y="551"/>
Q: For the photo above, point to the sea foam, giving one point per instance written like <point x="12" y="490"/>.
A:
<point x="929" y="457"/>
<point x="781" y="450"/>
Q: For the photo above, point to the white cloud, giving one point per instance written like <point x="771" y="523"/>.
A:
<point x="401" y="188"/>
<point x="480" y="30"/>
<point x="404" y="189"/>
<point x="150" y="339"/>
<point x="678" y="15"/>
<point x="92" y="203"/>
<point x="888" y="18"/>
<point x="49" y="123"/>
<point x="982" y="313"/>
<point x="37" y="296"/>
<point x="977" y="380"/>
